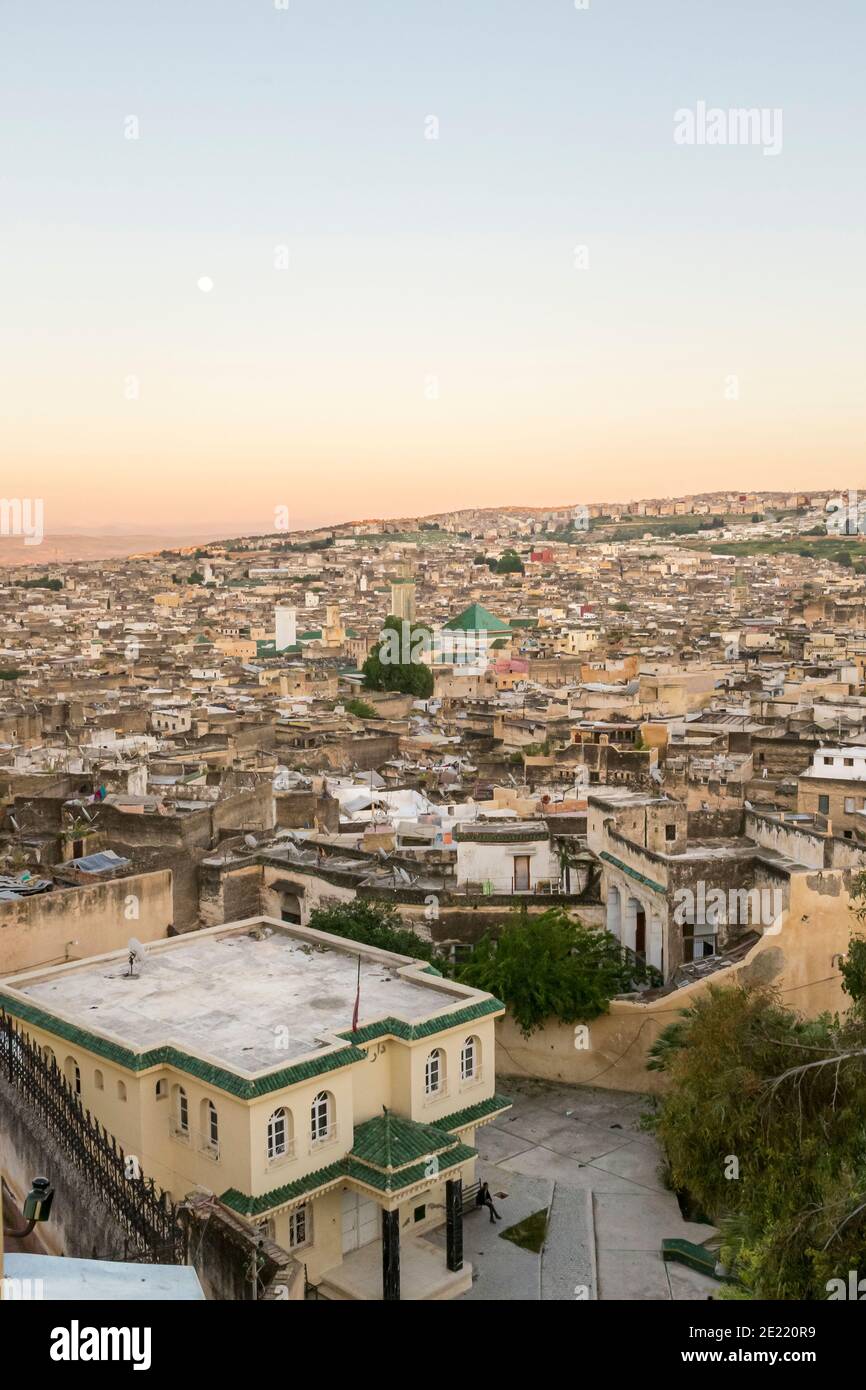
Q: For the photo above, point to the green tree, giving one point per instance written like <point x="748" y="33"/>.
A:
<point x="387" y="666"/>
<point x="509" y="563"/>
<point x="763" y="1127"/>
<point x="553" y="966"/>
<point x="361" y="709"/>
<point x="374" y="924"/>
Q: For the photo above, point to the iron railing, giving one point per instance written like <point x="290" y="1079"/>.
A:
<point x="147" y="1215"/>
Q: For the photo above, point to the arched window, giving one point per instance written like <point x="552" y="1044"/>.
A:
<point x="49" y="1057"/>
<point x="279" y="1134"/>
<point x="72" y="1072"/>
<point x="121" y="1090"/>
<point x="181" y="1111"/>
<point x="470" y="1060"/>
<point x="98" y="1080"/>
<point x="434" y="1073"/>
<point x="161" y="1089"/>
<point x="322" y="1118"/>
<point x="210" y="1127"/>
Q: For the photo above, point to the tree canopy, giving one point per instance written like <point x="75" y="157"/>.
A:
<point x="763" y="1127"/>
<point x="553" y="967"/>
<point x="407" y="673"/>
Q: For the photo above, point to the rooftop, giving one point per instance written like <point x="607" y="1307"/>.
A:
<point x="249" y="998"/>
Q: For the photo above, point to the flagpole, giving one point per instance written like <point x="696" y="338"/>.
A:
<point x="357" y="997"/>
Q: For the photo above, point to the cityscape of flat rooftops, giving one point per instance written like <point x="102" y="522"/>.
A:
<point x="246" y="1003"/>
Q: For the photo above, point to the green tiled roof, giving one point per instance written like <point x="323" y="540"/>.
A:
<point x="476" y="618"/>
<point x="388" y="1182"/>
<point x="254" y="1206"/>
<point x="410" y="1032"/>
<point x="632" y="873"/>
<point x="407" y="1177"/>
<point x="391" y="1141"/>
<point x="494" y="1105"/>
<point x="245" y="1088"/>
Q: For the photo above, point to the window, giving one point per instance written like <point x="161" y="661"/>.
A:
<point x="181" y="1111"/>
<point x="49" y="1057"/>
<point x="72" y="1072"/>
<point x="161" y="1090"/>
<point x="434" y="1073"/>
<point x="210" y="1126"/>
<point x="470" y="1056"/>
<point x="823" y="805"/>
<point x="419" y="1213"/>
<point x="300" y="1227"/>
<point x="670" y="832"/>
<point x="98" y="1081"/>
<point x="121" y="1090"/>
<point x="279" y="1134"/>
<point x="849" y="805"/>
<point x="321" y="1121"/>
<point x="849" y="762"/>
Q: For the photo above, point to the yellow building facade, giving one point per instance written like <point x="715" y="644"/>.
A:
<point x="227" y="1060"/>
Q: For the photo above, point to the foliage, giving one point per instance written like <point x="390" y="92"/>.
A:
<point x="411" y="677"/>
<point x="361" y="709"/>
<point x="10" y="673"/>
<point x="763" y="1127"/>
<point x="509" y="563"/>
<point x="374" y="924"/>
<point x="553" y="966"/>
<point x="41" y="582"/>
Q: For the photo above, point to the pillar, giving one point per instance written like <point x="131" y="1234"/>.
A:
<point x="391" y="1256"/>
<point x="454" y="1223"/>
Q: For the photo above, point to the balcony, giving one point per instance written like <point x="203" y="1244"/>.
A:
<point x="508" y="887"/>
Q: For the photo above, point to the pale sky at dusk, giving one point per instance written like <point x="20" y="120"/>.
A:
<point x="432" y="343"/>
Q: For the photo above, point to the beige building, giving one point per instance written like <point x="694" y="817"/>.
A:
<point x="228" y="1061"/>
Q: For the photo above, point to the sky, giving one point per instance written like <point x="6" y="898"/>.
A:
<point x="361" y="258"/>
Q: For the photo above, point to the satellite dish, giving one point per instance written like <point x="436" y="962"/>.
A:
<point x="135" y="951"/>
<point x="251" y="842"/>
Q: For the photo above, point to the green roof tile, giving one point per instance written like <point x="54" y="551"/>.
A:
<point x="392" y="1141"/>
<point x="494" y="1105"/>
<point x="245" y="1088"/>
<point x="476" y="618"/>
<point x="410" y="1032"/>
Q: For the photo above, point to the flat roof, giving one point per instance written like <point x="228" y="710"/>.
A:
<point x="249" y="997"/>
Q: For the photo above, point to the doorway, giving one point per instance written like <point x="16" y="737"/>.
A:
<point x="360" y="1221"/>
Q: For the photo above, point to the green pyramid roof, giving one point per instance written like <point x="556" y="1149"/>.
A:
<point x="477" y="618"/>
<point x="391" y="1141"/>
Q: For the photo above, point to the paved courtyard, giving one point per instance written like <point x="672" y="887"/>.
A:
<point x="579" y="1152"/>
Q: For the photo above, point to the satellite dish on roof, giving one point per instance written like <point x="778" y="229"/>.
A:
<point x="251" y="842"/>
<point x="136" y="953"/>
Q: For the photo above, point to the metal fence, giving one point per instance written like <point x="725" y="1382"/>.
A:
<point x="146" y="1213"/>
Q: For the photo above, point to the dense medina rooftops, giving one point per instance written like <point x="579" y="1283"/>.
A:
<point x="246" y="997"/>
